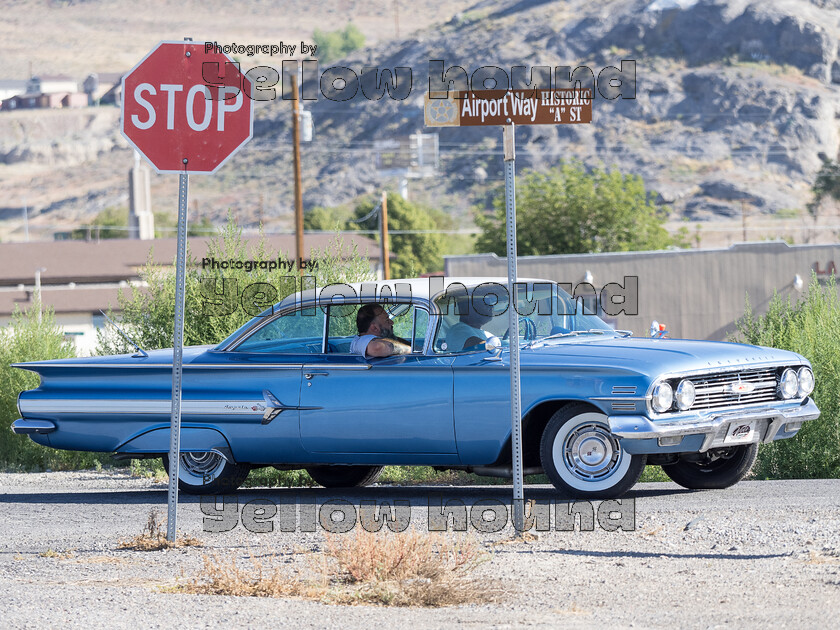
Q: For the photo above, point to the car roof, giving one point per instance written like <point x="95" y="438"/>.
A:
<point x="399" y="288"/>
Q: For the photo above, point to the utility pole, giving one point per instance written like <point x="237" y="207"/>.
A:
<point x="26" y="219"/>
<point x="37" y="292"/>
<point x="298" y="184"/>
<point x="383" y="237"/>
<point x="744" y="219"/>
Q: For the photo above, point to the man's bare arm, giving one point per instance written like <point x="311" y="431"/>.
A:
<point x="380" y="347"/>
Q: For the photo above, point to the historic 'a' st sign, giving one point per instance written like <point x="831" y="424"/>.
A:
<point x="503" y="107"/>
<point x="174" y="115"/>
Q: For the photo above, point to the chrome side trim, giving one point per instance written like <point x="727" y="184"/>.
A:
<point x="321" y="367"/>
<point x="273" y="407"/>
<point x="168" y="366"/>
<point x="619" y="398"/>
<point x="27" y="427"/>
<point x="157" y="407"/>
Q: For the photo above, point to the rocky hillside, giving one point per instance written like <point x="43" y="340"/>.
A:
<point x="734" y="101"/>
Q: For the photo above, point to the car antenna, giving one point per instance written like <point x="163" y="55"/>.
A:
<point x="140" y="351"/>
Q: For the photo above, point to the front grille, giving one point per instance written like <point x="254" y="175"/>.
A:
<point x="715" y="390"/>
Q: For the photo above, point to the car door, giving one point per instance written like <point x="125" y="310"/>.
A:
<point x="358" y="409"/>
<point x="265" y="368"/>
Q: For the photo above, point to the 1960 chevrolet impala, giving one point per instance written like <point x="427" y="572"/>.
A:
<point x="285" y="391"/>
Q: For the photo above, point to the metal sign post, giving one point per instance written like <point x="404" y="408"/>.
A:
<point x="162" y="97"/>
<point x="509" y="141"/>
<point x="177" y="356"/>
<point x="510" y="107"/>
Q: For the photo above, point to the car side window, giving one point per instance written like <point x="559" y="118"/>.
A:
<point x="342" y="328"/>
<point x="410" y="323"/>
<point x="300" y="332"/>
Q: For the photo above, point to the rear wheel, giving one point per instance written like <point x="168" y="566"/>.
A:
<point x="583" y="458"/>
<point x="208" y="473"/>
<point x="344" y="476"/>
<point x="719" y="469"/>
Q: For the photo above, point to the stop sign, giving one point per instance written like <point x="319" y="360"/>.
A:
<point x="184" y="109"/>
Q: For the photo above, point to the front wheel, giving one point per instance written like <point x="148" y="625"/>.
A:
<point x="719" y="469"/>
<point x="344" y="476"/>
<point x="208" y="473"/>
<point x="583" y="458"/>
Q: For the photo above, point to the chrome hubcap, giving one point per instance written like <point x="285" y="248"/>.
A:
<point x="199" y="464"/>
<point x="591" y="452"/>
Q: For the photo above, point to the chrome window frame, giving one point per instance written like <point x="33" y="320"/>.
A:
<point x="417" y="302"/>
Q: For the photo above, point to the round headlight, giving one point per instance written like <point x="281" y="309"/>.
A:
<point x="789" y="384"/>
<point x="663" y="397"/>
<point x="685" y="394"/>
<point x="806" y="381"/>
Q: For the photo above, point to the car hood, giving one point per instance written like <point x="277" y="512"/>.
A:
<point x="654" y="357"/>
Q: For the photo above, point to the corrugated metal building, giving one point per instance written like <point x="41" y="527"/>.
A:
<point x="697" y="293"/>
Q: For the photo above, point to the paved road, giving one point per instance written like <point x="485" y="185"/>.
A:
<point x="759" y="554"/>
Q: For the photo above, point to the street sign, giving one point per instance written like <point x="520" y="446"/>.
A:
<point x="510" y="108"/>
<point x="505" y="107"/>
<point x="184" y="109"/>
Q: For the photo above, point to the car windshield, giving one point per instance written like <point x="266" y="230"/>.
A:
<point x="470" y="315"/>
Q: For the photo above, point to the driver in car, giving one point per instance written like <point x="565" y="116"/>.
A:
<point x="467" y="332"/>
<point x="376" y="334"/>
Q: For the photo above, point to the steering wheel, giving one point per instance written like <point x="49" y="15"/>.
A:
<point x="530" y="329"/>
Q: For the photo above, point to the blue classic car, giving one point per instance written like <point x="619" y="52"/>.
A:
<point x="285" y="391"/>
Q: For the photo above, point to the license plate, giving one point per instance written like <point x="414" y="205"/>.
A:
<point x="740" y="433"/>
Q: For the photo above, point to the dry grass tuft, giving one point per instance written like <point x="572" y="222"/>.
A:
<point x="815" y="557"/>
<point x="153" y="538"/>
<point x="221" y="577"/>
<point x="406" y="569"/>
<point x="59" y="555"/>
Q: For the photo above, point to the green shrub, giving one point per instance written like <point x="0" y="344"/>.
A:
<point x="216" y="301"/>
<point x="333" y="45"/>
<point x="29" y="337"/>
<point x="810" y="327"/>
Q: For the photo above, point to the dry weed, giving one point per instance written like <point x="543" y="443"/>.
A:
<point x="407" y="569"/>
<point x="59" y="555"/>
<point x="226" y="577"/>
<point x="815" y="557"/>
<point x="153" y="538"/>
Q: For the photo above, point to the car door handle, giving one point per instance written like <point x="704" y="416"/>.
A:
<point x="310" y="375"/>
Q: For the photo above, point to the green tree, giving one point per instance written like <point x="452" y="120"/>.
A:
<point x="328" y="219"/>
<point x="810" y="327"/>
<point x="29" y="337"/>
<point x="416" y="253"/>
<point x="826" y="185"/>
<point x="570" y="211"/>
<point x="336" y="44"/>
<point x="112" y="222"/>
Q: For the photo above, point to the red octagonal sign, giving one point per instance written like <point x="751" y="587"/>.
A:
<point x="186" y="110"/>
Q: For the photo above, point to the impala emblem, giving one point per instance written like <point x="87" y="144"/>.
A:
<point x="741" y="387"/>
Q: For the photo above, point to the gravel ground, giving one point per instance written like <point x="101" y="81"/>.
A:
<point x="759" y="554"/>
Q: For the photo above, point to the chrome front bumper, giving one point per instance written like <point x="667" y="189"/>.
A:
<point x="713" y="424"/>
